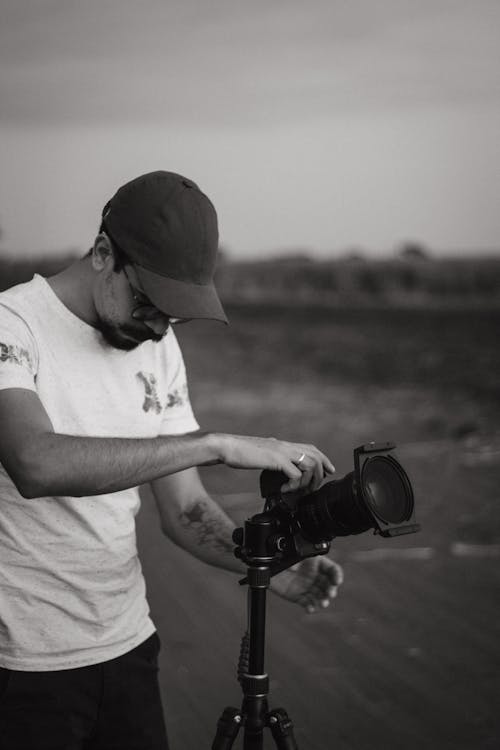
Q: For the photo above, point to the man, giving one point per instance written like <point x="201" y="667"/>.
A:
<point x="93" y="403"/>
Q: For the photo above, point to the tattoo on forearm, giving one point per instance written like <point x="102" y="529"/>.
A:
<point x="210" y="525"/>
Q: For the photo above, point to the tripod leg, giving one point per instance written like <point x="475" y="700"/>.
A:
<point x="227" y="729"/>
<point x="255" y="710"/>
<point x="282" y="729"/>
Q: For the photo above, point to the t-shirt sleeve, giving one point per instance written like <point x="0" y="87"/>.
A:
<point x="178" y="417"/>
<point x="18" y="353"/>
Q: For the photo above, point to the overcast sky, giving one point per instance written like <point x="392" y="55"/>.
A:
<point x="319" y="125"/>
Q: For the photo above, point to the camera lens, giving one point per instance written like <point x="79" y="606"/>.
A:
<point x="387" y="490"/>
<point x="333" y="510"/>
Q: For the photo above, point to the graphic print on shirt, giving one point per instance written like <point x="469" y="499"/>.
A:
<point x="16" y="354"/>
<point x="151" y="399"/>
<point x="177" y="397"/>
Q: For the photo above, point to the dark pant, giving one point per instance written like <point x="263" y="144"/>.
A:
<point x="115" y="705"/>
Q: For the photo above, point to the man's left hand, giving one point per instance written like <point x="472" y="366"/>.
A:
<point x="312" y="583"/>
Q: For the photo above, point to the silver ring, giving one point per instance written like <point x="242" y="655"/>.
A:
<point x="300" y="459"/>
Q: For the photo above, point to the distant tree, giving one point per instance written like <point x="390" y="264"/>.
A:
<point x="486" y="280"/>
<point x="322" y="277"/>
<point x="413" y="251"/>
<point x="409" y="278"/>
<point x="354" y="255"/>
<point x="369" y="281"/>
<point x="293" y="257"/>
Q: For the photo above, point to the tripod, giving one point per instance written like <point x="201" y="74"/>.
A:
<point x="254" y="715"/>
<point x="377" y="495"/>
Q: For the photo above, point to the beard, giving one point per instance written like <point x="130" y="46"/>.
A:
<point x="125" y="337"/>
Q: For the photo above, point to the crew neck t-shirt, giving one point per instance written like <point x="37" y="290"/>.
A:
<point x="72" y="592"/>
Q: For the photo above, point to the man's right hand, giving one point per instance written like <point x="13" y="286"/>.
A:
<point x="304" y="464"/>
<point x="44" y="463"/>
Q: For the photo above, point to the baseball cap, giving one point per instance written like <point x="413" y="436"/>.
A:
<point x="168" y="229"/>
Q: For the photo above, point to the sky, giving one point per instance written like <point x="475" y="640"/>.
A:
<point x="320" y="126"/>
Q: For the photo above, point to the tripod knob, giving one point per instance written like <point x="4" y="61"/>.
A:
<point x="238" y="536"/>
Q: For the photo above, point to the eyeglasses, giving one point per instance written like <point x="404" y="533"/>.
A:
<point x="142" y="300"/>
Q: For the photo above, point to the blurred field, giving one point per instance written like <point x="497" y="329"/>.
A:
<point x="410" y="279"/>
<point x="409" y="656"/>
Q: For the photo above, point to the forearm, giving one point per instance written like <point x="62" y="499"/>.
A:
<point x="48" y="463"/>
<point x="80" y="466"/>
<point x="204" y="530"/>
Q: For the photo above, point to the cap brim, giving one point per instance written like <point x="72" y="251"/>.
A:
<point x="180" y="299"/>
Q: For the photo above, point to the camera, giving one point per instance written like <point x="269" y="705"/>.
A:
<point x="376" y="495"/>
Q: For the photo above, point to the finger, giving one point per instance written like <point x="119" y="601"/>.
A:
<point x="321" y="466"/>
<point x="316" y="585"/>
<point x="293" y="473"/>
<point x="331" y="571"/>
<point x="327" y="465"/>
<point x="313" y="605"/>
<point x="322" y="593"/>
<point x="312" y="471"/>
<point x="323" y="590"/>
<point x="318" y="475"/>
<point x="336" y="573"/>
<point x="320" y="602"/>
<point x="314" y="598"/>
<point x="327" y="590"/>
<point x="312" y="468"/>
<point x="307" y="478"/>
<point x="308" y="603"/>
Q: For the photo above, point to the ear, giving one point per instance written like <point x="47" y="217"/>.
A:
<point x="102" y="251"/>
